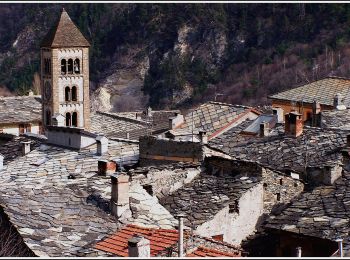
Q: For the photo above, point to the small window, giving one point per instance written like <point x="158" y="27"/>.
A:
<point x="70" y="66"/>
<point x="77" y="66"/>
<point x="265" y="185"/>
<point x="218" y="237"/>
<point x="67" y="94"/>
<point x="75" y="119"/>
<point x="233" y="207"/>
<point x="74" y="93"/>
<point x="281" y="181"/>
<point x="63" y="67"/>
<point x="21" y="128"/>
<point x="278" y="196"/>
<point x="68" y="119"/>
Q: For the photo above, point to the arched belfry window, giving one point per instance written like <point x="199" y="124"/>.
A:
<point x="68" y="119"/>
<point x="70" y="66"/>
<point x="74" y="93"/>
<point x="67" y="94"/>
<point x="63" y="67"/>
<point x="77" y="66"/>
<point x="48" y="117"/>
<point x="75" y="119"/>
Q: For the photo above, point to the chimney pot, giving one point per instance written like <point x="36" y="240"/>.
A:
<point x="120" y="194"/>
<point x="25" y="147"/>
<point x="138" y="246"/>
<point x="264" y="129"/>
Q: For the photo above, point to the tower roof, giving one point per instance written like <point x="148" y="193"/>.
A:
<point x="64" y="34"/>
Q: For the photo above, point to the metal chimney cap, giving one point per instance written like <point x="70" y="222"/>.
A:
<point x="339" y="239"/>
<point x="180" y="215"/>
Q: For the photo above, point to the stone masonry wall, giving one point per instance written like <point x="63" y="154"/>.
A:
<point x="152" y="149"/>
<point x="279" y="189"/>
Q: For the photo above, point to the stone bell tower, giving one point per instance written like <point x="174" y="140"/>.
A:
<point x="65" y="76"/>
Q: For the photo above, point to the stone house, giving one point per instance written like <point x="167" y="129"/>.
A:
<point x="20" y="114"/>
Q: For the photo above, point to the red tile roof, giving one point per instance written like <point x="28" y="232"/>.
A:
<point x="117" y="244"/>
<point x="209" y="252"/>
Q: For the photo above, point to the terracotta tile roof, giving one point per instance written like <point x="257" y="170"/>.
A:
<point x="209" y="252"/>
<point x="64" y="34"/>
<point x="160" y="239"/>
<point x="322" y="91"/>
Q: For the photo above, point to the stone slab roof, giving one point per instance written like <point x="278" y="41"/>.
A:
<point x="323" y="91"/>
<point x="20" y="109"/>
<point x="322" y="212"/>
<point x="315" y="147"/>
<point x="339" y="119"/>
<point x="45" y="195"/>
<point x="213" y="117"/>
<point x="209" y="252"/>
<point x="202" y="198"/>
<point x="116" y="126"/>
<point x="64" y="34"/>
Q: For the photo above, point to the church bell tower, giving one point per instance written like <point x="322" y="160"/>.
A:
<point x="65" y="76"/>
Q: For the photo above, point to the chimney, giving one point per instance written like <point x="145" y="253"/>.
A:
<point x="181" y="235"/>
<point x="102" y="144"/>
<point x="1" y="162"/>
<point x="25" y="147"/>
<point x="105" y="167"/>
<point x="175" y="121"/>
<point x="30" y="93"/>
<point x="138" y="246"/>
<point x="298" y="251"/>
<point x="316" y="113"/>
<point x="293" y="124"/>
<point x="278" y="111"/>
<point x="127" y="135"/>
<point x="264" y="129"/>
<point x="338" y="102"/>
<point x="149" y="111"/>
<point x="340" y="246"/>
<point x="203" y="137"/>
<point x="120" y="194"/>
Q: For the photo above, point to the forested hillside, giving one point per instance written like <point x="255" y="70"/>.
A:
<point x="176" y="55"/>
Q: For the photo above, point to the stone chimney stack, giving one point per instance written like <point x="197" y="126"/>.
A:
<point x="293" y="124"/>
<point x="264" y="129"/>
<point x="102" y="144"/>
<point x="120" y="195"/>
<point x="203" y="137"/>
<point x="338" y="102"/>
<point x="139" y="246"/>
<point x="1" y="162"/>
<point x="278" y="111"/>
<point x="176" y="121"/>
<point x="25" y="147"/>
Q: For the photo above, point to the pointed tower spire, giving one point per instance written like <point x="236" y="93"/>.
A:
<point x="64" y="34"/>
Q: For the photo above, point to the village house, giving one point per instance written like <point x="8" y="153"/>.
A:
<point x="20" y="114"/>
<point x="329" y="93"/>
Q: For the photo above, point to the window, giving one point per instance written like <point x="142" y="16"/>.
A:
<point x="218" y="237"/>
<point x="48" y="117"/>
<point x="281" y="181"/>
<point x="233" y="207"/>
<point x="74" y="93"/>
<point x="28" y="128"/>
<point x="75" y="119"/>
<point x="67" y="94"/>
<point x="77" y="66"/>
<point x="68" y="119"/>
<point x="63" y="67"/>
<point x="278" y="196"/>
<point x="21" y="128"/>
<point x="70" y="66"/>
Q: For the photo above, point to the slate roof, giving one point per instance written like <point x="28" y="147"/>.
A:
<point x="315" y="147"/>
<point x="214" y="117"/>
<point x="338" y="119"/>
<point x="322" y="212"/>
<point x="64" y="34"/>
<point x="113" y="125"/>
<point x="20" y="109"/>
<point x="322" y="91"/>
<point x="164" y="242"/>
<point x="202" y="198"/>
<point x="45" y="195"/>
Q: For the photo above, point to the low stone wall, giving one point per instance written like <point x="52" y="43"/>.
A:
<point x="165" y="150"/>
